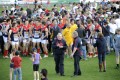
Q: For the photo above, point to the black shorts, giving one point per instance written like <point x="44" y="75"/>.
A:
<point x="11" y="65"/>
<point x="35" y="67"/>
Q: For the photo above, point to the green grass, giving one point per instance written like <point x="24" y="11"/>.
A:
<point x="89" y="69"/>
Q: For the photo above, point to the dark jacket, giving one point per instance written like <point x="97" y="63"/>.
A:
<point x="55" y="32"/>
<point x="101" y="45"/>
<point x="77" y="44"/>
<point x="81" y="32"/>
<point x="56" y="49"/>
<point x="106" y="31"/>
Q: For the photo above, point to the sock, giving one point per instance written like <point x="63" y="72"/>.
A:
<point x="26" y="52"/>
<point x="45" y="53"/>
<point x="38" y="50"/>
<point x="6" y="53"/>
<point x="96" y="53"/>
<point x="89" y="54"/>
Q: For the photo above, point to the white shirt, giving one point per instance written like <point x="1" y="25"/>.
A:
<point x="117" y="21"/>
<point x="113" y="27"/>
<point x="39" y="11"/>
<point x="74" y="8"/>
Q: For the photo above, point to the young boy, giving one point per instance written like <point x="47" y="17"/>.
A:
<point x="17" y="66"/>
<point x="36" y="61"/>
<point x="117" y="47"/>
<point x="43" y="74"/>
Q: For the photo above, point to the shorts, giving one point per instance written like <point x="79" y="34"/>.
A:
<point x="20" y="39"/>
<point x="35" y="67"/>
<point x="11" y="65"/>
<point x="101" y="57"/>
<point x="36" y="40"/>
<point x="15" y="42"/>
<point x="26" y="40"/>
<point x="44" y="41"/>
<point x="5" y="39"/>
<point x="117" y="51"/>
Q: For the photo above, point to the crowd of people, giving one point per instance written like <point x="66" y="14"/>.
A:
<point x="82" y="31"/>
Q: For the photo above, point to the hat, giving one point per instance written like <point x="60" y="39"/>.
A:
<point x="34" y="49"/>
<point x="17" y="53"/>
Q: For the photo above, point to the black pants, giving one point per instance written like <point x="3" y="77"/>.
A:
<point x="77" y="70"/>
<point x="59" y="63"/>
<point x="2" y="44"/>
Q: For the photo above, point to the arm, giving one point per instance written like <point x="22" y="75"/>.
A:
<point x="9" y="35"/>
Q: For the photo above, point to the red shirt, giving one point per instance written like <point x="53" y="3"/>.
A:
<point x="16" y="61"/>
<point x="61" y="25"/>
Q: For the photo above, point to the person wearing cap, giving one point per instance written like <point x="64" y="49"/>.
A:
<point x="44" y="73"/>
<point x="16" y="60"/>
<point x="102" y="20"/>
<point x="76" y="53"/>
<point x="59" y="46"/>
<point x="36" y="61"/>
<point x="117" y="47"/>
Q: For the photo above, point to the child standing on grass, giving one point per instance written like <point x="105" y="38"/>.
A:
<point x="101" y="47"/>
<point x="11" y="64"/>
<point x="36" y="61"/>
<point x="16" y="60"/>
<point x="117" y="47"/>
<point x="43" y="74"/>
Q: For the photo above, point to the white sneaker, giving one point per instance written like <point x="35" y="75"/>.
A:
<point x="45" y="56"/>
<point x="95" y="55"/>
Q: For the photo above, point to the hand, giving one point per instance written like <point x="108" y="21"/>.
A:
<point x="71" y="56"/>
<point x="60" y="46"/>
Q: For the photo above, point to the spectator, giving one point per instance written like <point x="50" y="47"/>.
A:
<point x="117" y="47"/>
<point x="17" y="66"/>
<point x="59" y="46"/>
<point x="76" y="53"/>
<point x="36" y="61"/>
<point x="44" y="74"/>
<point x="101" y="47"/>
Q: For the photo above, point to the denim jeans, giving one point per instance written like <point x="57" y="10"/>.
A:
<point x="107" y="38"/>
<point x="111" y="40"/>
<point x="18" y="71"/>
<point x="84" y="52"/>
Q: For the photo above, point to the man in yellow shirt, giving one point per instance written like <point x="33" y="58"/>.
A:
<point x="68" y="38"/>
<point x="67" y="34"/>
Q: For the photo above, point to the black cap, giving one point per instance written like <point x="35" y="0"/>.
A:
<point x="34" y="49"/>
<point x="17" y="53"/>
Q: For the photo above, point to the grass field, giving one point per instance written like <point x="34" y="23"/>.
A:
<point x="89" y="69"/>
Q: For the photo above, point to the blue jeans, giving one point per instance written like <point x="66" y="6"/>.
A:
<point x="84" y="52"/>
<point x="111" y="40"/>
<point x="107" y="38"/>
<point x="18" y="71"/>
